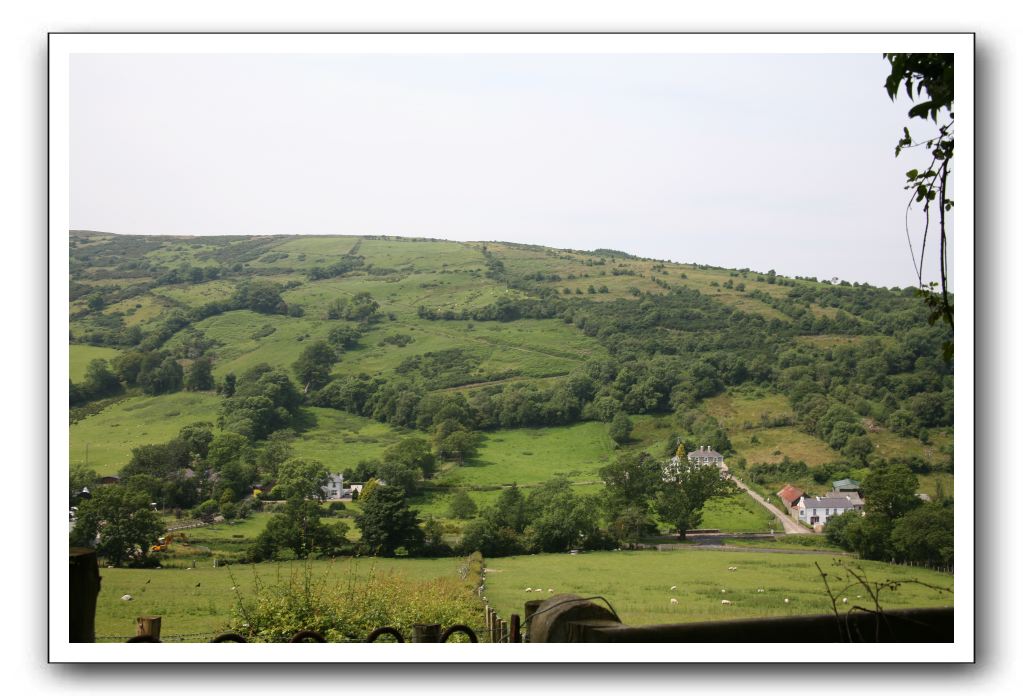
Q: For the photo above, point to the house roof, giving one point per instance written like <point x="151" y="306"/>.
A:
<point x="790" y="494"/>
<point x="704" y="453"/>
<point x="845" y="483"/>
<point x="827" y="502"/>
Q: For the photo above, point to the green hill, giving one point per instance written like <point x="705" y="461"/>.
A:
<point x="531" y="348"/>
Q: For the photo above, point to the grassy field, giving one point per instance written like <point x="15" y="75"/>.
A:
<point x="200" y="600"/>
<point x="534" y="455"/>
<point x="637" y="583"/>
<point x="82" y="355"/>
<point x="738" y="513"/>
<point x="111" y="434"/>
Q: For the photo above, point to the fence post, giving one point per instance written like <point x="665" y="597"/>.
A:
<point x="502" y="634"/>
<point x="84" y="586"/>
<point x="426" y="633"/>
<point x="148" y="626"/>
<point x="516" y="629"/>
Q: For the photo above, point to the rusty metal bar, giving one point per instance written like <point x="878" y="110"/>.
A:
<point x="898" y="625"/>
<point x="458" y="628"/>
<point x="384" y="630"/>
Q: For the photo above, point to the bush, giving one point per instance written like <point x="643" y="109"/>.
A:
<point x="350" y="605"/>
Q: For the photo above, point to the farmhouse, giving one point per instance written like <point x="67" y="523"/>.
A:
<point x="705" y="455"/>
<point x="335" y="488"/>
<point x="817" y="510"/>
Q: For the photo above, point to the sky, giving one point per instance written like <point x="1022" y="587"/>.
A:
<point x="781" y="162"/>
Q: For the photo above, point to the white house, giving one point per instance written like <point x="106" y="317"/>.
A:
<point x="705" y="455"/>
<point x="817" y="510"/>
<point x="335" y="488"/>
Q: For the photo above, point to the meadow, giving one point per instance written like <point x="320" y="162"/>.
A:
<point x="105" y="440"/>
<point x="637" y="583"/>
<point x="82" y="355"/>
<point x="199" y="602"/>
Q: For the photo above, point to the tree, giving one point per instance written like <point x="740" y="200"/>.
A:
<point x="462" y="507"/>
<point x="933" y="75"/>
<point x="682" y="496"/>
<point x="118" y="522"/>
<point x="166" y="378"/>
<point x="276" y="451"/>
<point x="413" y="453"/>
<point x="200" y="375"/>
<point x="100" y="381"/>
<point x="300" y="478"/>
<point x="459" y="445"/>
<point x="890" y="490"/>
<point x="925" y="535"/>
<point x="387" y="523"/>
<point x="621" y="428"/>
<point x="395" y="473"/>
<point x="631" y="481"/>
<point x="297" y="527"/>
<point x="314" y="364"/>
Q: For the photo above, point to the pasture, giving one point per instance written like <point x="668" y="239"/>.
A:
<point x="637" y="583"/>
<point x="201" y="600"/>
<point x="110" y="435"/>
<point x="82" y="355"/>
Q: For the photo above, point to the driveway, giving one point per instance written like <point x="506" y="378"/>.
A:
<point x="788" y="524"/>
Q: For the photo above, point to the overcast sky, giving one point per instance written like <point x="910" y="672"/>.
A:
<point x="759" y="161"/>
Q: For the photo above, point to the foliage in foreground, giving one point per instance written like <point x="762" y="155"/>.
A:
<point x="350" y="606"/>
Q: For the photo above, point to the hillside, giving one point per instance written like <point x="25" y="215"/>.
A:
<point x="530" y="350"/>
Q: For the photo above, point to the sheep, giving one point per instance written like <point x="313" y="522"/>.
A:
<point x="786" y="600"/>
<point x="674" y="587"/>
<point x="127" y="598"/>
<point x="529" y="589"/>
<point x="723" y="590"/>
<point x="725" y="601"/>
<point x="733" y="567"/>
<point x="845" y="600"/>
<point x="674" y="601"/>
<point x="538" y="590"/>
<point x="760" y="589"/>
<point x="549" y="590"/>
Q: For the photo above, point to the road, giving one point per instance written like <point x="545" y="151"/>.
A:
<point x="788" y="524"/>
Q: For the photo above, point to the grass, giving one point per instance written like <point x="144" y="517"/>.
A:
<point x="534" y="455"/>
<point x="339" y="440"/>
<point x="201" y="600"/>
<point x="82" y="355"/>
<point x="737" y="409"/>
<point x="637" y="582"/>
<point x="776" y="443"/>
<point x="107" y="438"/>
<point x="737" y="513"/>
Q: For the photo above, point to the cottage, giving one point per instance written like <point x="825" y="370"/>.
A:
<point x="335" y="488"/>
<point x="705" y="455"/>
<point x="818" y="510"/>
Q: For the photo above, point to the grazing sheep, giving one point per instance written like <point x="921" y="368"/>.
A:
<point x="725" y="601"/>
<point x="674" y="587"/>
<point x="529" y="589"/>
<point x="674" y="601"/>
<point x="538" y="590"/>
<point x="549" y="590"/>
<point x="723" y="590"/>
<point x="733" y="568"/>
<point x="786" y="600"/>
<point x="760" y="589"/>
<point x="845" y="600"/>
<point x="127" y="597"/>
